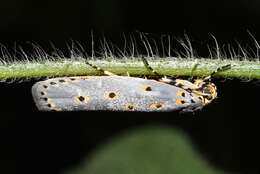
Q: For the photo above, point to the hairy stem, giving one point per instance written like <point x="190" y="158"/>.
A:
<point x="134" y="66"/>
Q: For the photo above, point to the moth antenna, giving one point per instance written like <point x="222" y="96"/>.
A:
<point x="100" y="69"/>
<point x="216" y="71"/>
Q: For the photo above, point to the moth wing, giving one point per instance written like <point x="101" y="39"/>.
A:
<point x="59" y="94"/>
<point x="151" y="95"/>
<point x="113" y="94"/>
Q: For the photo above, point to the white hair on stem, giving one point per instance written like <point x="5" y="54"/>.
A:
<point x="175" y="57"/>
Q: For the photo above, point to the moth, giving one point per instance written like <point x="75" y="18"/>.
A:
<point x="124" y="93"/>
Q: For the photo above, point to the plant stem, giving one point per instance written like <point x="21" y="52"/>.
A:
<point x="134" y="66"/>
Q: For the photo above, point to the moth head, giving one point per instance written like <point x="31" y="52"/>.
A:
<point x="207" y="91"/>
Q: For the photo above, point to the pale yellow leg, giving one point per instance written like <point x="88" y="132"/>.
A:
<point x="101" y="70"/>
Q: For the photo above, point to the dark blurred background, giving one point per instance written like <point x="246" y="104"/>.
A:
<point x="59" y="21"/>
<point x="225" y="133"/>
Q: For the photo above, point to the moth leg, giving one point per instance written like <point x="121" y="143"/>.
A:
<point x="149" y="68"/>
<point x="100" y="69"/>
<point x="177" y="82"/>
<point x="162" y="78"/>
<point x="217" y="70"/>
<point x="186" y="84"/>
<point x="200" y="93"/>
<point x="200" y="82"/>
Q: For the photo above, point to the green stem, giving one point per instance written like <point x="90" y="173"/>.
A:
<point x="134" y="66"/>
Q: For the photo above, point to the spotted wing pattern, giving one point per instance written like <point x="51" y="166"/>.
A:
<point x="111" y="93"/>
